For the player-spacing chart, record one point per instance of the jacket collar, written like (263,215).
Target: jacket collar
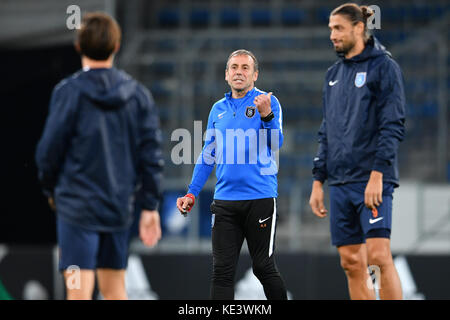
(249,93)
(373,48)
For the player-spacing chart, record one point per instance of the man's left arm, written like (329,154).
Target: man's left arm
(391,128)
(268,105)
(51,149)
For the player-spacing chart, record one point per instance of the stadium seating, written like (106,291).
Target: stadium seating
(291,40)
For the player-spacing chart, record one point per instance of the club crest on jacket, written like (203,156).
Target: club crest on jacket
(250,111)
(360,79)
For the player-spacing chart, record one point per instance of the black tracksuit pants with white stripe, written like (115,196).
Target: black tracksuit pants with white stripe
(254,220)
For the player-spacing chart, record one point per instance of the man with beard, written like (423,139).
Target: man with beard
(363,123)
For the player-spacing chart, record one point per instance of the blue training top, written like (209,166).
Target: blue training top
(243,147)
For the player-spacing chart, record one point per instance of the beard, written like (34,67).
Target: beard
(345,48)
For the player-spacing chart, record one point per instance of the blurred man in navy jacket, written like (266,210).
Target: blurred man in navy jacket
(100,144)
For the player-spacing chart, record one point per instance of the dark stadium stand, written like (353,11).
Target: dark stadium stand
(293,61)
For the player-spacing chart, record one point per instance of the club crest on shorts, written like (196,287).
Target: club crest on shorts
(360,79)
(250,111)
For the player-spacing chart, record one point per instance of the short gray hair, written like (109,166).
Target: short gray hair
(241,52)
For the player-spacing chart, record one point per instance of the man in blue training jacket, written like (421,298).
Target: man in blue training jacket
(243,135)
(100,144)
(363,123)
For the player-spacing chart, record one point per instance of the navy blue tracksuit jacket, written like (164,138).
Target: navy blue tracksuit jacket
(363,118)
(100,142)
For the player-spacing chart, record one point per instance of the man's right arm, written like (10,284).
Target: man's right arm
(202,170)
(319,164)
(319,171)
(206,160)
(316,200)
(150,154)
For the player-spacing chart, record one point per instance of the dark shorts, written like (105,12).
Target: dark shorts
(351,222)
(88,249)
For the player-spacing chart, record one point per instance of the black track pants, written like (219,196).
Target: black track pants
(254,220)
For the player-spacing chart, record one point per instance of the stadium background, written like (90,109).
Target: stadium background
(178,50)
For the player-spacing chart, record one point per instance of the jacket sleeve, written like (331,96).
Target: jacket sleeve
(151,161)
(390,115)
(51,148)
(275,126)
(319,163)
(206,160)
